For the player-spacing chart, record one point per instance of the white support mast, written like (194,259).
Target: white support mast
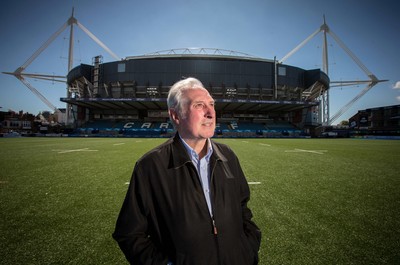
(20,74)
(325,118)
(71,22)
(325,67)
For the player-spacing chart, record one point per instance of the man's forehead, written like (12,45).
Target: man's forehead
(198,95)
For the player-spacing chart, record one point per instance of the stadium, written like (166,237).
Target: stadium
(254,97)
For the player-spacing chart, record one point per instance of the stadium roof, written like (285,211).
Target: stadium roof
(199,52)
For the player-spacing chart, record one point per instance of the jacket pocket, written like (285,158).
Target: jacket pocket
(246,251)
(180,259)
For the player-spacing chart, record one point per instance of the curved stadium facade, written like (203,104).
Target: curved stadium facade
(254,96)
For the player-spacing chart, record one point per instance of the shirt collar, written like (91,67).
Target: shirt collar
(192,153)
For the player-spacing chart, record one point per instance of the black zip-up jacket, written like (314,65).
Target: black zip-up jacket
(165,216)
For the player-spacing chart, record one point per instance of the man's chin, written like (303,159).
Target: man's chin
(209,134)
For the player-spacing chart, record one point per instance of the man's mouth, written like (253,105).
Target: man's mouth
(207,124)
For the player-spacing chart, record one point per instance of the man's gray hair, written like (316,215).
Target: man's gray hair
(174,99)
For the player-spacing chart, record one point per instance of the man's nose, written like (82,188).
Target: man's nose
(209,112)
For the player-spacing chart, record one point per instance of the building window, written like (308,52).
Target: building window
(121,68)
(282,71)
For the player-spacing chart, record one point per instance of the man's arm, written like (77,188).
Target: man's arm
(132,231)
(251,230)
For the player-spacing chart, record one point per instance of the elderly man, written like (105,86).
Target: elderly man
(187,199)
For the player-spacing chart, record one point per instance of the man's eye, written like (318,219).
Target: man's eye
(199,106)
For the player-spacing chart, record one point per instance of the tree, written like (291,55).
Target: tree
(46,114)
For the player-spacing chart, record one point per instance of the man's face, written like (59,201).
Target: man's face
(197,119)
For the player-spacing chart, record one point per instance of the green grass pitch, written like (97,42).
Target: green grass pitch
(317,201)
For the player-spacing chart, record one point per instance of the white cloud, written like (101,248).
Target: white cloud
(397,85)
(398,98)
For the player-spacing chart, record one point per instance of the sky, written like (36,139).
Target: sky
(262,28)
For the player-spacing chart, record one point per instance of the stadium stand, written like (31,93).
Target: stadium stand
(254,97)
(165,129)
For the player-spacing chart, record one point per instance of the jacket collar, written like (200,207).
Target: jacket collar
(180,157)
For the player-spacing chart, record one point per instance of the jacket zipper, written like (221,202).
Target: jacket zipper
(215,230)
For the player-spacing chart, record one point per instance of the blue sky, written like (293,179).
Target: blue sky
(370,29)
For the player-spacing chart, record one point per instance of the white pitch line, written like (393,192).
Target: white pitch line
(77,150)
(126,183)
(265,144)
(320,152)
(119,144)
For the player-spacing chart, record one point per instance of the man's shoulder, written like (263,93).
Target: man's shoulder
(159,150)
(221,146)
(222,149)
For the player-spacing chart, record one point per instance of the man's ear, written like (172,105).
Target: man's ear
(174,116)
